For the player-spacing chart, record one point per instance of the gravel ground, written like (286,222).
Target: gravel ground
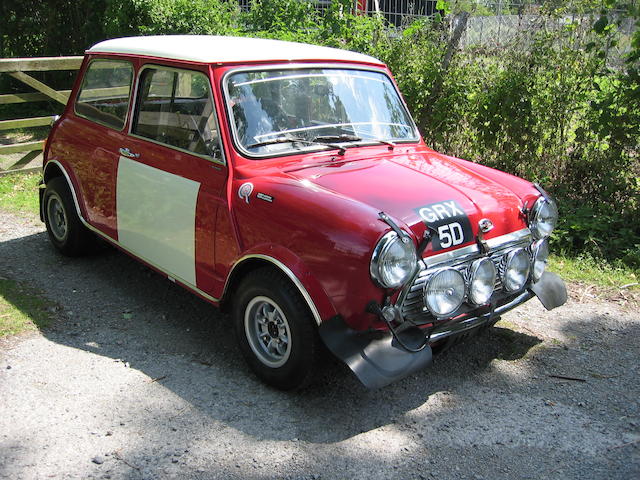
(138,378)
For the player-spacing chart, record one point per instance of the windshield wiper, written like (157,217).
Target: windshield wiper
(337,138)
(352,138)
(291,139)
(272,141)
(390,145)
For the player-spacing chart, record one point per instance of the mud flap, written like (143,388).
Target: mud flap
(376,360)
(550,290)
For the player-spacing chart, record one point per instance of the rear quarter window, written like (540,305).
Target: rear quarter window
(104,94)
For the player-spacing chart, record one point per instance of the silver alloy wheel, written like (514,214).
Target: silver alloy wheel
(267,331)
(57,216)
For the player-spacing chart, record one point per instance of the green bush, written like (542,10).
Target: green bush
(281,16)
(166,17)
(601,232)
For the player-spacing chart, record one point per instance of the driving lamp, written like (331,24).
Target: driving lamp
(482,281)
(516,270)
(540,251)
(444,292)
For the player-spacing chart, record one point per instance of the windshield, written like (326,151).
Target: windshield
(287,111)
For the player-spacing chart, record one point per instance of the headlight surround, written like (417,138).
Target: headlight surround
(540,251)
(482,280)
(444,292)
(543,217)
(516,270)
(393,261)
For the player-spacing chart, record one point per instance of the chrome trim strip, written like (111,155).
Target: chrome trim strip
(516,236)
(182,150)
(443,257)
(295,66)
(471,249)
(71,187)
(474,322)
(170,276)
(288,272)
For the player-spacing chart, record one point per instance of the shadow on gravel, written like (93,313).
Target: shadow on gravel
(117,308)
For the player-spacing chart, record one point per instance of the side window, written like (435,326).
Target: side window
(104,95)
(175,107)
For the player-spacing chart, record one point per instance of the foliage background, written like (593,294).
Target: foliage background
(553,107)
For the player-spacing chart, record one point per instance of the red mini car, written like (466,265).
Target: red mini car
(288,183)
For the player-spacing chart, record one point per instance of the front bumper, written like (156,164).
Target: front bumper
(378,358)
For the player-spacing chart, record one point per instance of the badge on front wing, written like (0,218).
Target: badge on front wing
(449,221)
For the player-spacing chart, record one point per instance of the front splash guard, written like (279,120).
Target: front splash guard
(550,290)
(376,361)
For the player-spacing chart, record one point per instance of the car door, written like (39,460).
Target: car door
(171,175)
(98,124)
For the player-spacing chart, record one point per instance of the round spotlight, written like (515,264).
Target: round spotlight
(540,251)
(516,270)
(444,292)
(482,281)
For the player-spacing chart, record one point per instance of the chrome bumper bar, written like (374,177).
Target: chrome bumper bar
(450,329)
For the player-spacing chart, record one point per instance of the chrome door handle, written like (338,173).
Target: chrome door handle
(125,152)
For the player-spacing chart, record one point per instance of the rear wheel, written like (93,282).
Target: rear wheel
(65,229)
(275,330)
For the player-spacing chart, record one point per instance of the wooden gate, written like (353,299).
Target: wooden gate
(17,68)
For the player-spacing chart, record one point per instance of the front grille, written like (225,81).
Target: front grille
(411,300)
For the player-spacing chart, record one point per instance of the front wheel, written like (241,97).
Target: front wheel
(275,330)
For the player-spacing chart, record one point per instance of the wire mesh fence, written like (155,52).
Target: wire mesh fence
(399,12)
(395,12)
(491,24)
(499,30)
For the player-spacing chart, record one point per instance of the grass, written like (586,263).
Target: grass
(22,309)
(585,269)
(19,192)
(597,278)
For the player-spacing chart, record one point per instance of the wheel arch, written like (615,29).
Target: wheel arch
(251,262)
(53,169)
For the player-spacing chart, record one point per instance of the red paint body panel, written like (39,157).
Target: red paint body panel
(323,221)
(94,165)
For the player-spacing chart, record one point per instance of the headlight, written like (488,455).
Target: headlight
(543,218)
(482,281)
(540,251)
(393,261)
(444,292)
(516,270)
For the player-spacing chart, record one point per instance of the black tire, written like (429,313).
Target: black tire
(268,294)
(65,229)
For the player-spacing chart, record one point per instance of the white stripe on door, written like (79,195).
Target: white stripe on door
(156,216)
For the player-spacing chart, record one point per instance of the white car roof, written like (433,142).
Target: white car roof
(214,49)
